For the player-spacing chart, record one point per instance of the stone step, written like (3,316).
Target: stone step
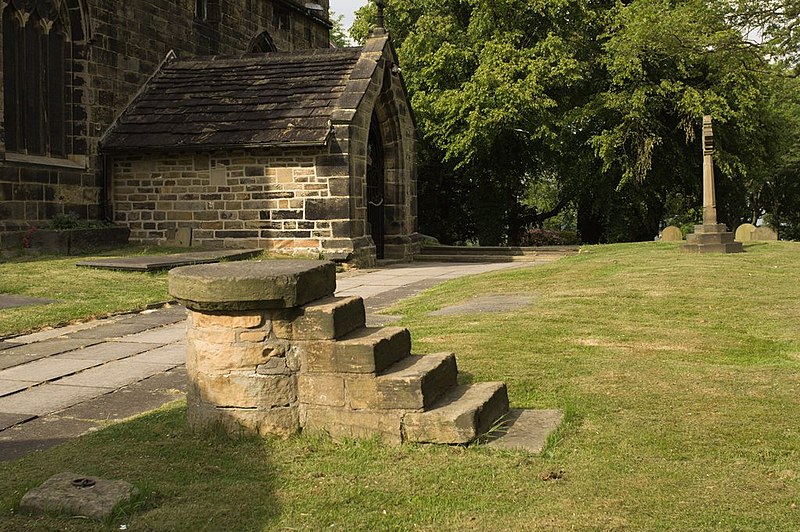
(329,318)
(714,238)
(486,254)
(460,416)
(485,258)
(462,258)
(366,350)
(500,250)
(414,383)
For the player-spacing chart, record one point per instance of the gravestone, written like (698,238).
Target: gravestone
(744,233)
(765,233)
(671,234)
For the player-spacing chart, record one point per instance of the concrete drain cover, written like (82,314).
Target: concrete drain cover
(496,303)
(77,495)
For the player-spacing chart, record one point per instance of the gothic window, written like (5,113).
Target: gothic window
(262,44)
(201,9)
(281,19)
(34,78)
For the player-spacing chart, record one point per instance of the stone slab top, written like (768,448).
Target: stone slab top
(148,263)
(270,284)
(77,495)
(12,301)
(526,430)
(490,303)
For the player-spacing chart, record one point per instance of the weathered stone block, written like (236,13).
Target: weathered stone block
(330,318)
(327,208)
(274,366)
(368,350)
(252,285)
(462,415)
(208,357)
(325,390)
(243,319)
(253,336)
(244,389)
(65,494)
(414,383)
(281,422)
(341,423)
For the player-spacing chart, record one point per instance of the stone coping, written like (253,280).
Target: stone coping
(272,284)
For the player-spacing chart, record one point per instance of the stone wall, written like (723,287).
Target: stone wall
(285,200)
(115,46)
(306,200)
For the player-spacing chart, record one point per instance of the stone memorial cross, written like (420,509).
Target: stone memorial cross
(710,236)
(709,195)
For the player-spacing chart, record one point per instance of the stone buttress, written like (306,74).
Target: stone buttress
(270,350)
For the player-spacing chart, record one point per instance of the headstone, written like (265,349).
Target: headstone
(671,234)
(765,233)
(77,495)
(744,233)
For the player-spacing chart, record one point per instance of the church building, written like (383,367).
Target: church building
(206,123)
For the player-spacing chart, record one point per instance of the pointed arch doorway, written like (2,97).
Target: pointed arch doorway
(376,183)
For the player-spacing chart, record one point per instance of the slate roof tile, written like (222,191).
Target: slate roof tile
(254,100)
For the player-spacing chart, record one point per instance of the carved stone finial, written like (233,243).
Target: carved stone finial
(380,4)
(708,136)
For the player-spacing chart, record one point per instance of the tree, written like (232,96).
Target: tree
(605,98)
(338,34)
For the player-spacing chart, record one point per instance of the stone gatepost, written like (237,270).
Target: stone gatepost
(241,366)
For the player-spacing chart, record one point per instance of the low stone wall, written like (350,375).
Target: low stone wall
(62,242)
(291,201)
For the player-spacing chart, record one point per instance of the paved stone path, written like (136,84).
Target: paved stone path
(60,383)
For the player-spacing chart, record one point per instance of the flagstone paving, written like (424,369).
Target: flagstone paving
(60,383)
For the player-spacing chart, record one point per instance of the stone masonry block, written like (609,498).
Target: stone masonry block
(325,390)
(58,495)
(330,318)
(274,366)
(327,208)
(244,389)
(341,423)
(253,336)
(214,336)
(463,414)
(281,422)
(272,284)
(413,383)
(367,350)
(210,358)
(247,320)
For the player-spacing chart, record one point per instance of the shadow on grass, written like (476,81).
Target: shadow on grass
(187,480)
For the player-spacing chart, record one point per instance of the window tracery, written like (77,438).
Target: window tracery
(34,77)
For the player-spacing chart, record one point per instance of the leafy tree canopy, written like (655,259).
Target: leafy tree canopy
(602,101)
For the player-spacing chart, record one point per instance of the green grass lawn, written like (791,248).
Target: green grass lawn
(80,293)
(679,375)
